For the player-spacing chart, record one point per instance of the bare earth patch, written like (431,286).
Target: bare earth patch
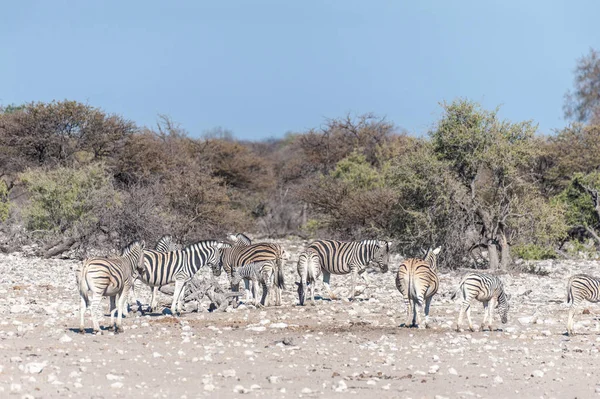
(334,349)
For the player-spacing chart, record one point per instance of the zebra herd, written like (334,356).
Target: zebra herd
(169,265)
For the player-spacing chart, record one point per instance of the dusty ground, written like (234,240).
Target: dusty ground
(334,349)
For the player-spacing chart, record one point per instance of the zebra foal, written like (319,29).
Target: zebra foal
(110,277)
(418,281)
(243,252)
(581,287)
(484,288)
(341,257)
(254,274)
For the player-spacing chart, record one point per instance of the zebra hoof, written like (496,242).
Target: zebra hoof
(97,332)
(81,330)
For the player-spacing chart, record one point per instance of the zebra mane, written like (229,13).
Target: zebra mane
(207,244)
(240,238)
(167,244)
(129,247)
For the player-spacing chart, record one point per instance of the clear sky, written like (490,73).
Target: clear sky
(262,68)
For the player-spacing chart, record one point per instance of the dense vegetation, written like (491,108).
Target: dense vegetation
(73,177)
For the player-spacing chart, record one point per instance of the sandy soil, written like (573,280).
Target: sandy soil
(334,349)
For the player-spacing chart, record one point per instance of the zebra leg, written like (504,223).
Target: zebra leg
(122,306)
(354,273)
(82,309)
(95,310)
(486,308)
(326,277)
(176,294)
(460,315)
(571,320)
(154,299)
(408,303)
(491,313)
(265,293)
(469,318)
(427,304)
(312,293)
(113,309)
(418,311)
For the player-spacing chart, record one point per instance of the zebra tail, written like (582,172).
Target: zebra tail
(569,293)
(412,289)
(84,287)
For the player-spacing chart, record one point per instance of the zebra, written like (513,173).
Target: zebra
(487,289)
(418,282)
(255,273)
(339,257)
(309,271)
(110,277)
(242,252)
(165,244)
(579,288)
(162,268)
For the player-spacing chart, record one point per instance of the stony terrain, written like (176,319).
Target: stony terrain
(334,349)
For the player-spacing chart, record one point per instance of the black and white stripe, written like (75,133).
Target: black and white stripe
(165,244)
(340,257)
(581,287)
(309,270)
(254,274)
(162,268)
(242,253)
(484,288)
(110,277)
(418,281)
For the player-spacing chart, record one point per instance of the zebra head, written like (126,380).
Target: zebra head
(503,307)
(381,255)
(236,278)
(135,252)
(217,264)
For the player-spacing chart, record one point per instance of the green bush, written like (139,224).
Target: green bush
(4,203)
(533,252)
(64,198)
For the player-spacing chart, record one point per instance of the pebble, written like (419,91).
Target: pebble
(452,371)
(537,373)
(65,339)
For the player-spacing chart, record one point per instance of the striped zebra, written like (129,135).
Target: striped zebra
(417,281)
(309,270)
(579,288)
(165,244)
(110,277)
(254,274)
(242,253)
(487,289)
(339,257)
(162,268)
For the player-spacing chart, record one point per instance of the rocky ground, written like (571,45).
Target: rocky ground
(334,349)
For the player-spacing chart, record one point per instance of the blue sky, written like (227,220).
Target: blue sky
(264,68)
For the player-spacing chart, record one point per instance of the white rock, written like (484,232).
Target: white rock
(498,379)
(34,367)
(306,390)
(156,354)
(19,309)
(116,385)
(340,386)
(229,373)
(254,387)
(239,389)
(209,387)
(112,377)
(65,339)
(537,373)
(273,379)
(452,371)
(433,369)
(278,325)
(256,328)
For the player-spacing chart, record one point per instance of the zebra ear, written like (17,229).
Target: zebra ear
(233,238)
(437,250)
(298,284)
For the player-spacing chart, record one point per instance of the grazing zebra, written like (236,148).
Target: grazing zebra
(241,253)
(110,277)
(162,268)
(339,257)
(309,270)
(579,288)
(165,244)
(253,274)
(487,289)
(417,281)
